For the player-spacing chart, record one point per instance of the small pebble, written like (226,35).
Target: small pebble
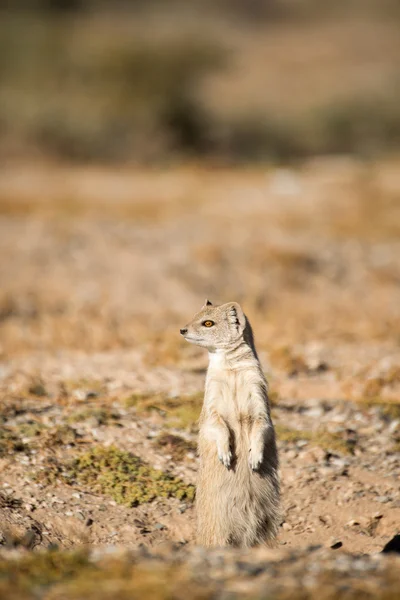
(383,499)
(301,443)
(352,523)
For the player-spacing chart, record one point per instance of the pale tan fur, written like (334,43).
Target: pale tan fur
(237,496)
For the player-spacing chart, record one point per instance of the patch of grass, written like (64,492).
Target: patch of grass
(286,434)
(389,409)
(58,208)
(175,445)
(10,442)
(14,438)
(273,396)
(51,471)
(33,573)
(61,435)
(126,478)
(185,411)
(396,447)
(332,442)
(30,429)
(181,411)
(102,416)
(84,386)
(374,385)
(37,388)
(140,401)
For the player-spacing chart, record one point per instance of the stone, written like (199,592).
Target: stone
(335,544)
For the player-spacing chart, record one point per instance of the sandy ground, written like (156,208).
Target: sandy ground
(98,271)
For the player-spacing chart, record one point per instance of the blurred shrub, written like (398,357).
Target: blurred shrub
(83,89)
(250,9)
(259,137)
(99,96)
(364,125)
(361,125)
(44,5)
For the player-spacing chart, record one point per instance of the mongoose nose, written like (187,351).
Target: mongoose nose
(183,331)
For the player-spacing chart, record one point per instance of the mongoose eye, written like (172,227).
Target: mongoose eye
(208,323)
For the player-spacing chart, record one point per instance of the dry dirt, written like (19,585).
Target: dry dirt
(98,271)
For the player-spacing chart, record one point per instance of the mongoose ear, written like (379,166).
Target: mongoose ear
(236,316)
(207,302)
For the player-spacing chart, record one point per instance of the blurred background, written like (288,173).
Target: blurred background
(145,81)
(154,153)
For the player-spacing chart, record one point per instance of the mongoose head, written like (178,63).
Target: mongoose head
(216,327)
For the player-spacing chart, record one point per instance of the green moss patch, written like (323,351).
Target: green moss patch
(181,411)
(126,478)
(332,442)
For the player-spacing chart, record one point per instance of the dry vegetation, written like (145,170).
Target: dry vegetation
(230,81)
(100,397)
(100,267)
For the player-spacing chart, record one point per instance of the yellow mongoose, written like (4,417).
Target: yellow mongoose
(237,496)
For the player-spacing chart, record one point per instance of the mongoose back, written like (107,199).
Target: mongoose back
(237,497)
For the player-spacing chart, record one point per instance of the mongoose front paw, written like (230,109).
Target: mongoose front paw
(225,458)
(255,459)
